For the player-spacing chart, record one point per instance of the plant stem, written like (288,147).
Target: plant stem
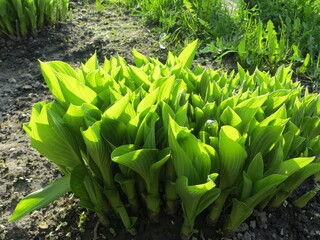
(171,197)
(217,207)
(117,205)
(187,229)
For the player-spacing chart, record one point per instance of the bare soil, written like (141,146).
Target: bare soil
(23,170)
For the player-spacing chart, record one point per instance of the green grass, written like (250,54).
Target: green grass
(263,34)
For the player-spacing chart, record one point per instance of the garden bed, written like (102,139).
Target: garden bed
(23,170)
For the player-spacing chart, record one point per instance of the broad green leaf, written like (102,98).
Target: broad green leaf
(230,117)
(51,136)
(113,131)
(290,166)
(256,168)
(78,117)
(49,71)
(189,155)
(148,100)
(115,111)
(264,139)
(232,157)
(196,198)
(139,59)
(299,176)
(129,189)
(78,176)
(92,64)
(99,152)
(248,108)
(139,77)
(145,135)
(266,192)
(280,113)
(311,127)
(187,55)
(305,198)
(41,198)
(272,180)
(171,60)
(98,81)
(75,92)
(276,99)
(87,188)
(239,213)
(246,186)
(139,160)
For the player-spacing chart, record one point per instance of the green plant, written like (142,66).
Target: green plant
(19,17)
(265,34)
(191,135)
(296,22)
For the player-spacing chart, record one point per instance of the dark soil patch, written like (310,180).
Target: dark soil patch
(23,170)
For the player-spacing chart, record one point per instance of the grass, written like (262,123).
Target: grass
(263,34)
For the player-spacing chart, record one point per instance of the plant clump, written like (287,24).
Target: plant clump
(171,136)
(25,17)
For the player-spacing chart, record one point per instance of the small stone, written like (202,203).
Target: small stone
(243,227)
(36,84)
(239,235)
(12,80)
(246,236)
(26,87)
(43,225)
(12,149)
(253,224)
(27,76)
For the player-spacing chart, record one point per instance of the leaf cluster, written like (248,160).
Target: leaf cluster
(25,17)
(171,136)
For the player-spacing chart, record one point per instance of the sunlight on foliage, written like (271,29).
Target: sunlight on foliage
(174,135)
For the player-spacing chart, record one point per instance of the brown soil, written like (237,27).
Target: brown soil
(23,170)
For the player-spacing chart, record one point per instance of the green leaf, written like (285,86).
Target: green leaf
(248,109)
(299,176)
(305,198)
(272,180)
(41,198)
(239,213)
(51,137)
(281,113)
(256,168)
(113,131)
(232,156)
(148,100)
(115,111)
(189,155)
(49,71)
(230,117)
(99,152)
(78,176)
(87,188)
(265,138)
(290,166)
(246,186)
(75,92)
(139,77)
(187,55)
(145,136)
(139,59)
(196,198)
(80,117)
(139,160)
(92,64)
(264,189)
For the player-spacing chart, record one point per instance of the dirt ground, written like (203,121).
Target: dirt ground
(23,170)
